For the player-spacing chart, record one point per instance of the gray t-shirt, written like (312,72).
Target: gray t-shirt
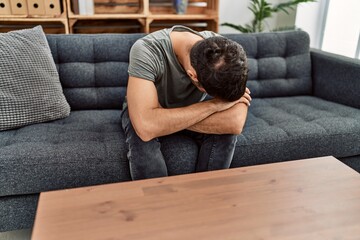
(152,58)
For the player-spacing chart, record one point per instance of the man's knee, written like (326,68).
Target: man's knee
(229,138)
(224,139)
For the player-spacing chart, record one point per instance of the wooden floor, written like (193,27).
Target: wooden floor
(16,235)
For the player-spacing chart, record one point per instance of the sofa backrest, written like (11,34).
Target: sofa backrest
(93,68)
(279,63)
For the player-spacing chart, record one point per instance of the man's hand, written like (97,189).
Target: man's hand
(246,98)
(222,105)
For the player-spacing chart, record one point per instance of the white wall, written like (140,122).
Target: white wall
(311,18)
(334,26)
(236,12)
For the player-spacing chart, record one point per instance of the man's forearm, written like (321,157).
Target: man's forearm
(159,121)
(230,121)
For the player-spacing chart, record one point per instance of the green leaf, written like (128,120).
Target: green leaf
(240,28)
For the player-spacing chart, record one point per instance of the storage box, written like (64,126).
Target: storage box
(18,7)
(5,7)
(52,7)
(36,7)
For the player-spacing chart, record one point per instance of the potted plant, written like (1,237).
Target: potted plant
(262,10)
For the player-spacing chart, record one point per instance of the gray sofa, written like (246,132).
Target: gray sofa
(306,104)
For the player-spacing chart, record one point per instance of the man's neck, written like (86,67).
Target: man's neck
(182,43)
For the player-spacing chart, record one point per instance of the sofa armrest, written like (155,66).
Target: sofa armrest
(336,78)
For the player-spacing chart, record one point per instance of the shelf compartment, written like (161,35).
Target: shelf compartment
(205,7)
(181,17)
(117,6)
(107,16)
(200,25)
(106,26)
(108,8)
(50,26)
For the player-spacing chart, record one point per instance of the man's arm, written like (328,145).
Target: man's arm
(150,120)
(230,121)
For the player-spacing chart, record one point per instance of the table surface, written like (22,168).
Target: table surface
(315,198)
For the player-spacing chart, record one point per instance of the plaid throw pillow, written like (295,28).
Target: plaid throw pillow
(30,89)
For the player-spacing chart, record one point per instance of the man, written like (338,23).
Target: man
(170,73)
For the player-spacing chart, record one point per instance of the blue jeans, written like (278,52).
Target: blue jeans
(147,161)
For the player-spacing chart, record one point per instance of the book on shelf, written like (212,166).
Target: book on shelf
(86,7)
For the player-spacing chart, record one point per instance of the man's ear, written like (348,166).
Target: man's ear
(194,80)
(192,74)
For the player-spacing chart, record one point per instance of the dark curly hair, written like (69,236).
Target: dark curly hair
(221,67)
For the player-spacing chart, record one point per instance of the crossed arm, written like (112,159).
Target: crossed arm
(150,120)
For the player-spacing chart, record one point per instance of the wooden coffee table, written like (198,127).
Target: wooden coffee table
(315,198)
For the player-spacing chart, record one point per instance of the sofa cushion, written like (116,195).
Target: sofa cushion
(83,149)
(93,68)
(279,63)
(290,128)
(87,148)
(30,89)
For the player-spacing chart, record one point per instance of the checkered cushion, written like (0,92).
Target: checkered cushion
(30,89)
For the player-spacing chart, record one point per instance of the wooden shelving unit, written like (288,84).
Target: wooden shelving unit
(51,23)
(118,16)
(148,16)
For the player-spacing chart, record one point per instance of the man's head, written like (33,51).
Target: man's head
(221,67)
